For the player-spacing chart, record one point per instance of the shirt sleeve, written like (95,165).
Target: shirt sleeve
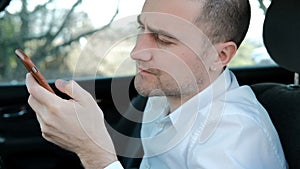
(115,165)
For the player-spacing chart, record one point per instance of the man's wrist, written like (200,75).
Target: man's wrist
(92,160)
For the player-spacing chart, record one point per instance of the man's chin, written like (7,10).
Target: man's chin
(149,93)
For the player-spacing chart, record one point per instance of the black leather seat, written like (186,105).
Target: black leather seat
(281,37)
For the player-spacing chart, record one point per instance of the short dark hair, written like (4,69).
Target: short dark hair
(224,20)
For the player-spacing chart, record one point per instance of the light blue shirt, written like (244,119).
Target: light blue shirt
(224,126)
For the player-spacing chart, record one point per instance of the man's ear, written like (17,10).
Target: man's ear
(226,52)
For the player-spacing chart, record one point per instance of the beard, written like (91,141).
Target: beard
(163,84)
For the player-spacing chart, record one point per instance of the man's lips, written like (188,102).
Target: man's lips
(144,71)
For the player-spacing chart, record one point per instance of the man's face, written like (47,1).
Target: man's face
(172,54)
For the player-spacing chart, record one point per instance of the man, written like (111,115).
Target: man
(196,117)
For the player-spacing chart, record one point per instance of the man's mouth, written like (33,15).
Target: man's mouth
(147,71)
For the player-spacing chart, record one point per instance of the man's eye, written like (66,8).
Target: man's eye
(165,40)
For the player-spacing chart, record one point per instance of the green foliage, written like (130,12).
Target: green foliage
(243,55)
(45,34)
(6,35)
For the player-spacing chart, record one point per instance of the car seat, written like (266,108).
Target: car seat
(281,36)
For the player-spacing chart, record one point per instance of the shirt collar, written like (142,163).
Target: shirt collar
(202,111)
(157,108)
(202,99)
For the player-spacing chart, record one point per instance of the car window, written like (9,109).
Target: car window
(58,36)
(252,51)
(83,39)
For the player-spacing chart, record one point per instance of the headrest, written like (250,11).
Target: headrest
(3,4)
(281,33)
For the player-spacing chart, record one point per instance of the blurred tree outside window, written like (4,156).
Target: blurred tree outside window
(252,51)
(84,38)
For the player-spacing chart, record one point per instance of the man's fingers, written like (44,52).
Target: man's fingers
(39,109)
(38,92)
(71,88)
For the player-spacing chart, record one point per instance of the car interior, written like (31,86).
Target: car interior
(276,87)
(281,37)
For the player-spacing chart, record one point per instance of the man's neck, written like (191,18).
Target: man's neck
(176,101)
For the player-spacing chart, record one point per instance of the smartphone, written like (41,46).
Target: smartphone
(33,69)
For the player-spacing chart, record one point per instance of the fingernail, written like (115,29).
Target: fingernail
(27,75)
(27,78)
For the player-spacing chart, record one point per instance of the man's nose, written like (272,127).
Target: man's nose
(143,47)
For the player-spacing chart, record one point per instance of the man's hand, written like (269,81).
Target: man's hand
(76,124)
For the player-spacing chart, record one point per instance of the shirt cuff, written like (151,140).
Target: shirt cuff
(114,165)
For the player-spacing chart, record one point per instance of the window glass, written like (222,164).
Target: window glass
(252,51)
(76,39)
(58,36)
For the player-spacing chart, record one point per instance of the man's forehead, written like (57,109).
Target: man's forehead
(163,21)
(154,19)
(186,9)
(181,29)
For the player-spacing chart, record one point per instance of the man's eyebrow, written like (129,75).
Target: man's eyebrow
(153,30)
(161,32)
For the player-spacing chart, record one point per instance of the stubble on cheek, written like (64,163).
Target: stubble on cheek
(159,85)
(149,86)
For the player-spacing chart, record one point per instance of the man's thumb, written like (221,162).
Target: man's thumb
(71,88)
